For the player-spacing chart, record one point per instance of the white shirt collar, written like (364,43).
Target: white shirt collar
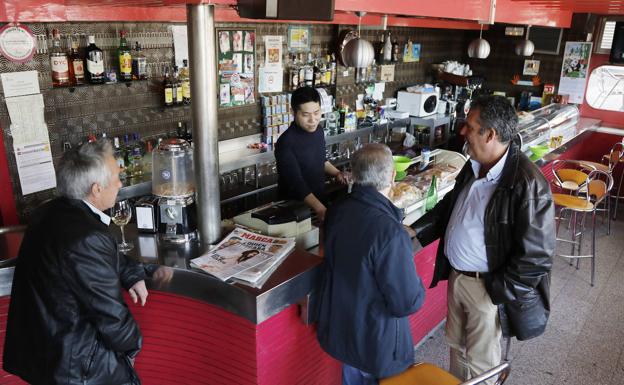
(103,217)
(495,172)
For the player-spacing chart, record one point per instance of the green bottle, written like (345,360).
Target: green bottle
(432,195)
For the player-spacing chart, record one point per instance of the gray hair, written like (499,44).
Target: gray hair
(372,165)
(497,113)
(83,166)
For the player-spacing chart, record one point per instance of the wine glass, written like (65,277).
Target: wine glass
(121,214)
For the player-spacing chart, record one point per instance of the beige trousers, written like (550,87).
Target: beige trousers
(472,327)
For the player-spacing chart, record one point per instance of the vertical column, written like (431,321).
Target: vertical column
(202,43)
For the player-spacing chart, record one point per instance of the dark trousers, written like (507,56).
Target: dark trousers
(354,376)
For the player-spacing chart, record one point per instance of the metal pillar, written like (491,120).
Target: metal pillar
(202,43)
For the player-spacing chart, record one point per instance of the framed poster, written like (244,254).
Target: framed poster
(236,66)
(574,70)
(299,38)
(531,67)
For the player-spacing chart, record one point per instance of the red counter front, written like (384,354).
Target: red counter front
(190,342)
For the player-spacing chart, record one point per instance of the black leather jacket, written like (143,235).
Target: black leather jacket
(519,231)
(68,322)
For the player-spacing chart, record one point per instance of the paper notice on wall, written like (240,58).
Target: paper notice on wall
(273,54)
(270,79)
(180,43)
(31,143)
(20,83)
(35,167)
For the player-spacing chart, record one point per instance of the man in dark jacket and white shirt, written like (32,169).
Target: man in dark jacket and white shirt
(68,322)
(369,280)
(497,238)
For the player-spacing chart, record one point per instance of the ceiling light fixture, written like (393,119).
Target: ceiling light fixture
(479,48)
(526,46)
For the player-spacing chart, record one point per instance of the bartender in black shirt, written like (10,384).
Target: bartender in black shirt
(300,154)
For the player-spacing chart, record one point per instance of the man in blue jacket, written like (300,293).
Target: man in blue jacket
(369,281)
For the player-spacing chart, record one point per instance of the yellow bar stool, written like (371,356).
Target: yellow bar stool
(590,194)
(429,374)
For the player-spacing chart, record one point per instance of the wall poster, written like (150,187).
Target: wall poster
(299,38)
(236,58)
(574,70)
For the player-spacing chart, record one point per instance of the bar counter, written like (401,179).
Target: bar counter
(199,330)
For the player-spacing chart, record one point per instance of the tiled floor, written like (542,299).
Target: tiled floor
(584,341)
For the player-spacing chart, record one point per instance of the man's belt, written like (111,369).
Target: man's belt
(473,274)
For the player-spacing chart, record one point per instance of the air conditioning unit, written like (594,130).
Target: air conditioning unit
(319,10)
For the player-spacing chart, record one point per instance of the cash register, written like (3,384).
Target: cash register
(282,219)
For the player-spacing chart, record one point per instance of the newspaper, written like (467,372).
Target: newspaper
(242,250)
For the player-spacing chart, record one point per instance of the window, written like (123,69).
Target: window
(605,89)
(604,37)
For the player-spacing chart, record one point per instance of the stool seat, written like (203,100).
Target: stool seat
(596,165)
(572,202)
(422,374)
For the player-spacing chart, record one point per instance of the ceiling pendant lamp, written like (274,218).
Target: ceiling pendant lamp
(358,53)
(526,46)
(479,48)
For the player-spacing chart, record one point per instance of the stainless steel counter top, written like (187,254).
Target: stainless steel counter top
(295,278)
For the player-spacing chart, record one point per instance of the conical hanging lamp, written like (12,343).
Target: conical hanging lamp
(358,53)
(526,46)
(479,48)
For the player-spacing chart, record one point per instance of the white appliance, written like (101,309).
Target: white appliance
(418,104)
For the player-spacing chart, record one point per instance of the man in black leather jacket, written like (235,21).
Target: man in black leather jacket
(497,238)
(68,322)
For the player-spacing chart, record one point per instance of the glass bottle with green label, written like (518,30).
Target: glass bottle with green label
(432,195)
(125,58)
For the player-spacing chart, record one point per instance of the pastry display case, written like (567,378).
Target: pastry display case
(549,126)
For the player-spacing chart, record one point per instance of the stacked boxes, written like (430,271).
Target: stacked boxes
(276,116)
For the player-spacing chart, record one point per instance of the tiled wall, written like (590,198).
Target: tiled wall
(503,63)
(72,114)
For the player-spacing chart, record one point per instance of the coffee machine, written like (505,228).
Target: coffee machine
(174,185)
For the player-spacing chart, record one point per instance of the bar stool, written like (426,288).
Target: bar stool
(608,165)
(429,374)
(615,157)
(591,193)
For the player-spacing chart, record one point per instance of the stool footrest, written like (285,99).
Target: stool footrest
(573,256)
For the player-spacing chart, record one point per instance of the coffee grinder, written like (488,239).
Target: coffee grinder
(174,185)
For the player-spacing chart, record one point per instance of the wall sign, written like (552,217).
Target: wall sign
(299,38)
(17,43)
(236,55)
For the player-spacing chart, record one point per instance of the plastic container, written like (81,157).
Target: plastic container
(172,169)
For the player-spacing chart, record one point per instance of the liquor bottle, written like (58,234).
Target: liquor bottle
(139,63)
(125,58)
(316,69)
(76,63)
(395,51)
(180,131)
(333,68)
(387,51)
(432,195)
(178,97)
(185,78)
(137,150)
(308,72)
(293,73)
(168,89)
(119,158)
(379,52)
(95,63)
(59,62)
(147,157)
